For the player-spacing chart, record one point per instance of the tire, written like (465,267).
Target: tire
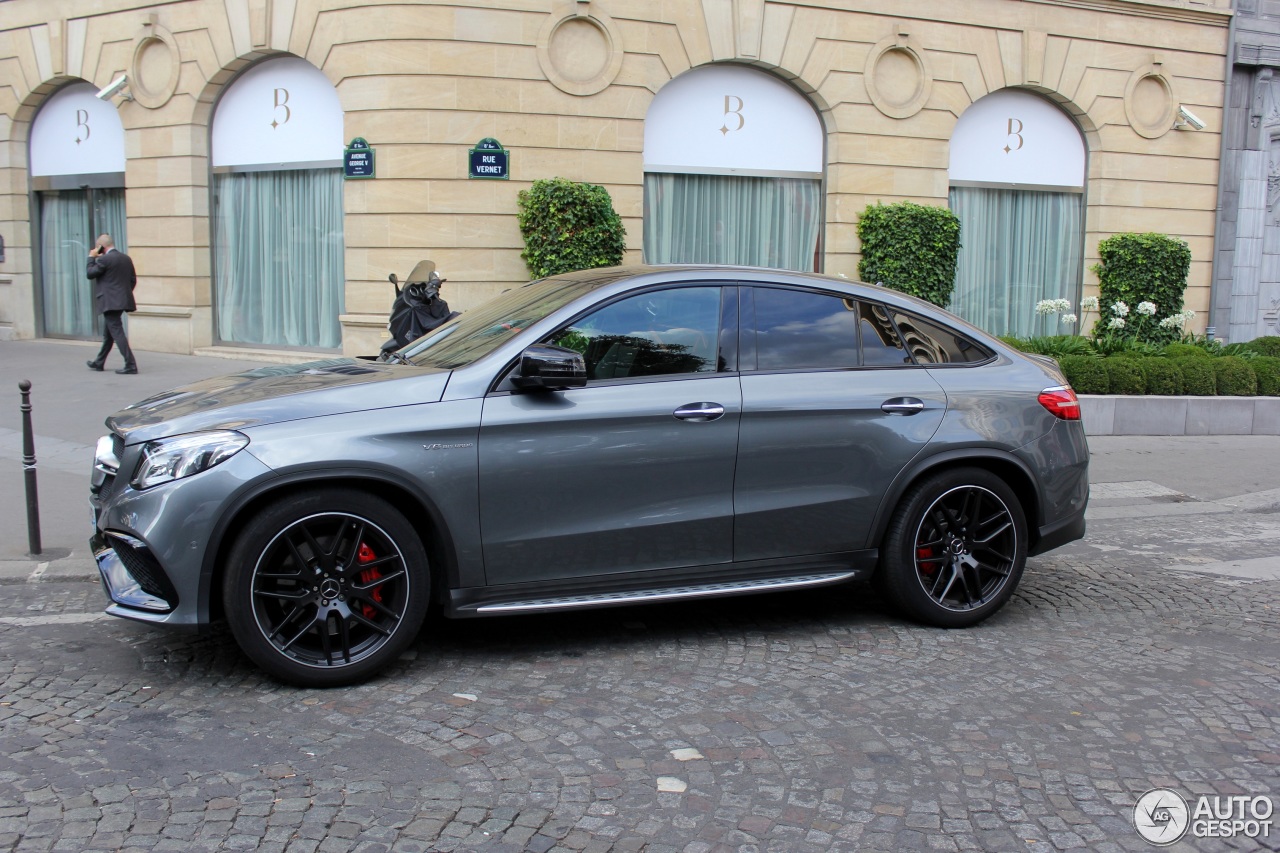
(326,588)
(955,549)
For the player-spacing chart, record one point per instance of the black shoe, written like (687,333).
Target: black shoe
(127,370)
(93,365)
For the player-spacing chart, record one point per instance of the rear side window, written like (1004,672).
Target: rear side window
(932,343)
(881,345)
(798,329)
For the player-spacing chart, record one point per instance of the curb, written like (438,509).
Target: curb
(1149,415)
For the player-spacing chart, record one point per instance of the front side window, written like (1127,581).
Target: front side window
(651,334)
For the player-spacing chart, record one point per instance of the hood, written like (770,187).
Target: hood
(278,393)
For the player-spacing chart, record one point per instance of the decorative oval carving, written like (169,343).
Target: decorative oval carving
(153,74)
(897,78)
(580,51)
(1149,103)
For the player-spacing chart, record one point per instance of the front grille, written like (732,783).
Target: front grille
(108,487)
(117,445)
(145,570)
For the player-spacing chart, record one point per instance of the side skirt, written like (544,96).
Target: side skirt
(669,585)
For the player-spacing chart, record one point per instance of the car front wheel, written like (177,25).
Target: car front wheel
(327,588)
(955,550)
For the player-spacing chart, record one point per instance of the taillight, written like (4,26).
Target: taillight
(1061,402)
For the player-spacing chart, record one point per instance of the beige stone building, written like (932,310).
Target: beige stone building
(747,131)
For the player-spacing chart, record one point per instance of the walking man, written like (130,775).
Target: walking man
(113,277)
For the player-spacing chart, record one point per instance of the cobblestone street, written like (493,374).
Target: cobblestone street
(808,721)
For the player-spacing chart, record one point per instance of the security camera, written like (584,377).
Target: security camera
(113,88)
(1186,118)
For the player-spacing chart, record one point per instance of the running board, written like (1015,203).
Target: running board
(667,594)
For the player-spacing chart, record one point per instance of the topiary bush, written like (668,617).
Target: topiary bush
(1137,268)
(1161,376)
(569,226)
(1197,376)
(1267,369)
(1268,345)
(1124,375)
(1177,350)
(1235,377)
(1085,374)
(910,248)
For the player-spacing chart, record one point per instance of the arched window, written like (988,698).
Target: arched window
(733,162)
(1017,185)
(276,148)
(77,172)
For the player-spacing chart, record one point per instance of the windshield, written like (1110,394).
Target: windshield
(479,332)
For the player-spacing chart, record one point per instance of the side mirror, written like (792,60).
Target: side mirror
(550,367)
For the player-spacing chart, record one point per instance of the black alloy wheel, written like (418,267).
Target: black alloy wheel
(327,589)
(955,550)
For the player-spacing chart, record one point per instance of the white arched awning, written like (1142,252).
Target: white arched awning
(1016,138)
(74,133)
(732,120)
(280,113)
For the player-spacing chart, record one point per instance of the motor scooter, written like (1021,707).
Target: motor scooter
(417,309)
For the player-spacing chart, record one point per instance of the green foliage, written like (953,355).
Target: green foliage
(1235,377)
(569,226)
(910,248)
(1086,374)
(1267,369)
(1112,345)
(1161,375)
(1269,346)
(1180,350)
(1056,345)
(1197,376)
(1124,375)
(1016,342)
(1137,268)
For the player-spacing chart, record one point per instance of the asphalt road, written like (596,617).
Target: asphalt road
(1145,656)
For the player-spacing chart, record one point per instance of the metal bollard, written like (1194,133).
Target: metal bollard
(29,470)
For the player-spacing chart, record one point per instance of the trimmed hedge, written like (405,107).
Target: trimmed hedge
(1162,376)
(568,226)
(1136,268)
(1181,350)
(1124,375)
(1085,374)
(1268,346)
(1198,379)
(1267,369)
(910,248)
(1235,378)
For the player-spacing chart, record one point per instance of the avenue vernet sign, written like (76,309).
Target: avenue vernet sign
(489,160)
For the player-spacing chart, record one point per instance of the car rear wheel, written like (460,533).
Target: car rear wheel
(326,588)
(955,550)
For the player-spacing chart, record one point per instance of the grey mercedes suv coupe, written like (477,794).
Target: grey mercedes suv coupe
(608,437)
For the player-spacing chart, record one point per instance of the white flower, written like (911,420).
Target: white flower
(1120,309)
(1148,308)
(1116,323)
(1068,319)
(1089,303)
(1173,321)
(1188,314)
(1044,306)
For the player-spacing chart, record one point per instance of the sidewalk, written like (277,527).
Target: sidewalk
(1133,476)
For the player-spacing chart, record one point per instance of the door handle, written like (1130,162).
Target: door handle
(699,412)
(902,406)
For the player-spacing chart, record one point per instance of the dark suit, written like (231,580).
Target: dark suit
(113,279)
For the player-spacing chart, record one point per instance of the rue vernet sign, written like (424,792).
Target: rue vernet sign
(357,160)
(489,160)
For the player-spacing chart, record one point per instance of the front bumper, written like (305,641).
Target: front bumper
(152,546)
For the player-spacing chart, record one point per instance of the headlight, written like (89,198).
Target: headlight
(175,458)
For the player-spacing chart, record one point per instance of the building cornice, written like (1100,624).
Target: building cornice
(1165,10)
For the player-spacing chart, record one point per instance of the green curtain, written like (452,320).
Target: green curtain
(70,221)
(725,219)
(1017,248)
(278,257)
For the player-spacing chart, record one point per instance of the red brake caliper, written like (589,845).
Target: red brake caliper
(927,565)
(364,554)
